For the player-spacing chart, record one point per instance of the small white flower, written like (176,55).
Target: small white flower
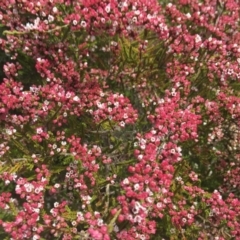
(143,147)
(137,219)
(126,181)
(50,18)
(56,185)
(36,210)
(79,214)
(135,144)
(75,22)
(108,8)
(99,222)
(150,200)
(152,139)
(184,220)
(29,187)
(135,210)
(198,38)
(46,102)
(188,15)
(55,10)
(122,123)
(43,179)
(137,12)
(39,130)
(83,24)
(142,237)
(116,228)
(35,237)
(100,105)
(7,182)
(173,151)
(74,223)
(37,190)
(68,95)
(116,104)
(136,186)
(45,108)
(76,99)
(159,205)
(179,179)
(9,131)
(134,19)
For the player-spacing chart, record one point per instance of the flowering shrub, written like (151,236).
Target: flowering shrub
(120,119)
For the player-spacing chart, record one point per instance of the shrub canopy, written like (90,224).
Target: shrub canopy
(119,119)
